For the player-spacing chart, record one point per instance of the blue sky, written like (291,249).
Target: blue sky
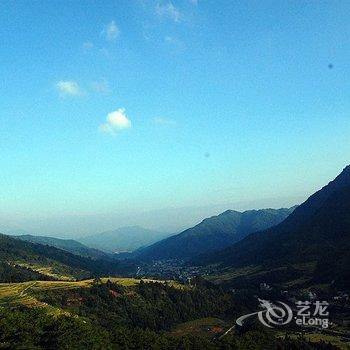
(124,107)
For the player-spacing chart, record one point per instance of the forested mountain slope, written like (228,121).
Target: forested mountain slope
(317,231)
(214,233)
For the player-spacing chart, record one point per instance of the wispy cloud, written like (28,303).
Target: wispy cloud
(194,2)
(115,121)
(169,11)
(68,88)
(111,31)
(162,121)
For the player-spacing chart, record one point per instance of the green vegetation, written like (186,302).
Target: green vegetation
(340,343)
(316,337)
(312,246)
(130,315)
(214,233)
(22,261)
(228,274)
(17,293)
(202,327)
(70,245)
(24,293)
(155,306)
(11,272)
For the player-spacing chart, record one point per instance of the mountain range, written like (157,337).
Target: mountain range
(124,239)
(214,233)
(69,245)
(305,244)
(316,234)
(22,261)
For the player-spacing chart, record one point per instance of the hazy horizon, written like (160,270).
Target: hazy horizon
(125,112)
(168,220)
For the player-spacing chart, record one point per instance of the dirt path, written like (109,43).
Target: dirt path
(23,291)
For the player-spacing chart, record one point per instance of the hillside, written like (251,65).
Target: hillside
(22,261)
(70,245)
(133,314)
(317,232)
(214,233)
(124,239)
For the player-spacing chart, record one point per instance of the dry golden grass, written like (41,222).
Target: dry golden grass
(17,293)
(335,340)
(20,293)
(45,270)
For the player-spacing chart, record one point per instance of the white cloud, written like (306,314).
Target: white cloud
(68,88)
(115,121)
(111,31)
(194,2)
(164,121)
(168,11)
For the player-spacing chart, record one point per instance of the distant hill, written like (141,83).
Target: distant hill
(317,232)
(214,233)
(70,245)
(12,230)
(124,239)
(21,261)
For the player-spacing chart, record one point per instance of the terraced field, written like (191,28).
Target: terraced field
(231,273)
(17,293)
(12,294)
(48,271)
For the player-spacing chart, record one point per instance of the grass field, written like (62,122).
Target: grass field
(207,327)
(335,340)
(231,273)
(17,293)
(56,272)
(21,293)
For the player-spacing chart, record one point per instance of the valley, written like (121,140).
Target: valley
(171,294)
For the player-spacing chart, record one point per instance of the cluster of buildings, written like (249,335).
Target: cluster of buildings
(171,269)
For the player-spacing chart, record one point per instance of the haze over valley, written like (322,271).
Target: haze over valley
(174,175)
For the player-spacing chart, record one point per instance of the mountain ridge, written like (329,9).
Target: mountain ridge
(22,260)
(213,233)
(123,239)
(69,245)
(314,232)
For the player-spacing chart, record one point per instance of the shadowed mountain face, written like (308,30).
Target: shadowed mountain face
(70,245)
(317,231)
(214,233)
(124,239)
